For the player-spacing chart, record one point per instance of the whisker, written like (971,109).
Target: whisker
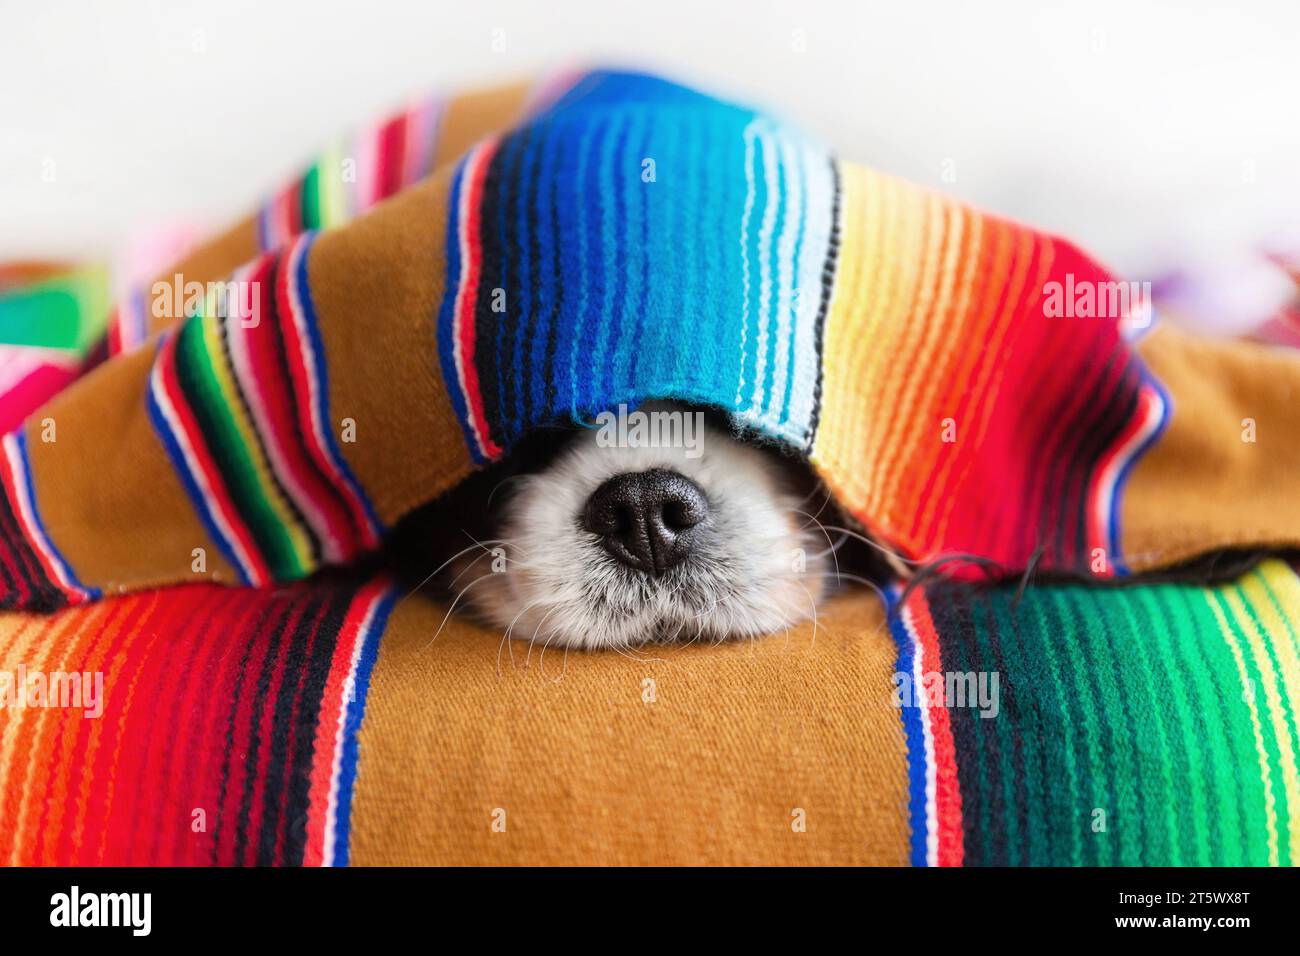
(429,577)
(447,616)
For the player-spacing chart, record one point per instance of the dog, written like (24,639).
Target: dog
(665,523)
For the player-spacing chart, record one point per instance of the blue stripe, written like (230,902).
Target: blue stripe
(607,229)
(447,316)
(322,386)
(162,428)
(547,268)
(352,724)
(527,182)
(912,731)
(1148,380)
(24,462)
(647,275)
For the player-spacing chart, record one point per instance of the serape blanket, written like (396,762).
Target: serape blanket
(192,528)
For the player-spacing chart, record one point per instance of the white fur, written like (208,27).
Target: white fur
(559,587)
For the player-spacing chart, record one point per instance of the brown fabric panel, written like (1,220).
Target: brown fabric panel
(377,286)
(106,490)
(469,118)
(588,773)
(1201,487)
(211,262)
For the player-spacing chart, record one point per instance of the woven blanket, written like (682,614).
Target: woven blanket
(193,523)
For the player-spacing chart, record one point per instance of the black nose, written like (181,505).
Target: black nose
(647,519)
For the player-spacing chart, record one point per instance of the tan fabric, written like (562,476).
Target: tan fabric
(366,278)
(737,738)
(1217,390)
(106,488)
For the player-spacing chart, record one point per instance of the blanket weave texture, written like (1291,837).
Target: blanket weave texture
(194,500)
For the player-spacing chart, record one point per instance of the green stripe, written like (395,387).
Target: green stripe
(1284,810)
(1061,804)
(212,408)
(311,205)
(1125,824)
(1127,699)
(1152,737)
(1038,843)
(1208,663)
(68,311)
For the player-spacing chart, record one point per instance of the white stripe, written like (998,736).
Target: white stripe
(462,213)
(365,189)
(785,278)
(27,515)
(764,267)
(927,732)
(219,516)
(818,212)
(744,254)
(320,428)
(1110,475)
(271,440)
(349,694)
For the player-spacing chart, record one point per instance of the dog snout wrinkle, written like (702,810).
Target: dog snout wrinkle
(647,519)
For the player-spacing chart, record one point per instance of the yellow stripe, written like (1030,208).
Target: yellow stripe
(915,346)
(1248,695)
(332,198)
(253,447)
(1285,679)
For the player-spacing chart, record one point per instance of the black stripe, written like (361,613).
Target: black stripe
(556,306)
(951,612)
(298,516)
(828,284)
(512,282)
(296,667)
(260,694)
(1098,431)
(297,801)
(35,591)
(256,630)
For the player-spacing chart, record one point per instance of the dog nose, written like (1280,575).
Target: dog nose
(646,519)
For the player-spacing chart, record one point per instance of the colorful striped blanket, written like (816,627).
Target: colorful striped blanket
(226,674)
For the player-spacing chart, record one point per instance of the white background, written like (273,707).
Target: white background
(1147,131)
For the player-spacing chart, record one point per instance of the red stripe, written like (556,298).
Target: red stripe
(473,257)
(951,843)
(70,848)
(218,495)
(296,347)
(263,344)
(189,722)
(327,725)
(392,157)
(1097,530)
